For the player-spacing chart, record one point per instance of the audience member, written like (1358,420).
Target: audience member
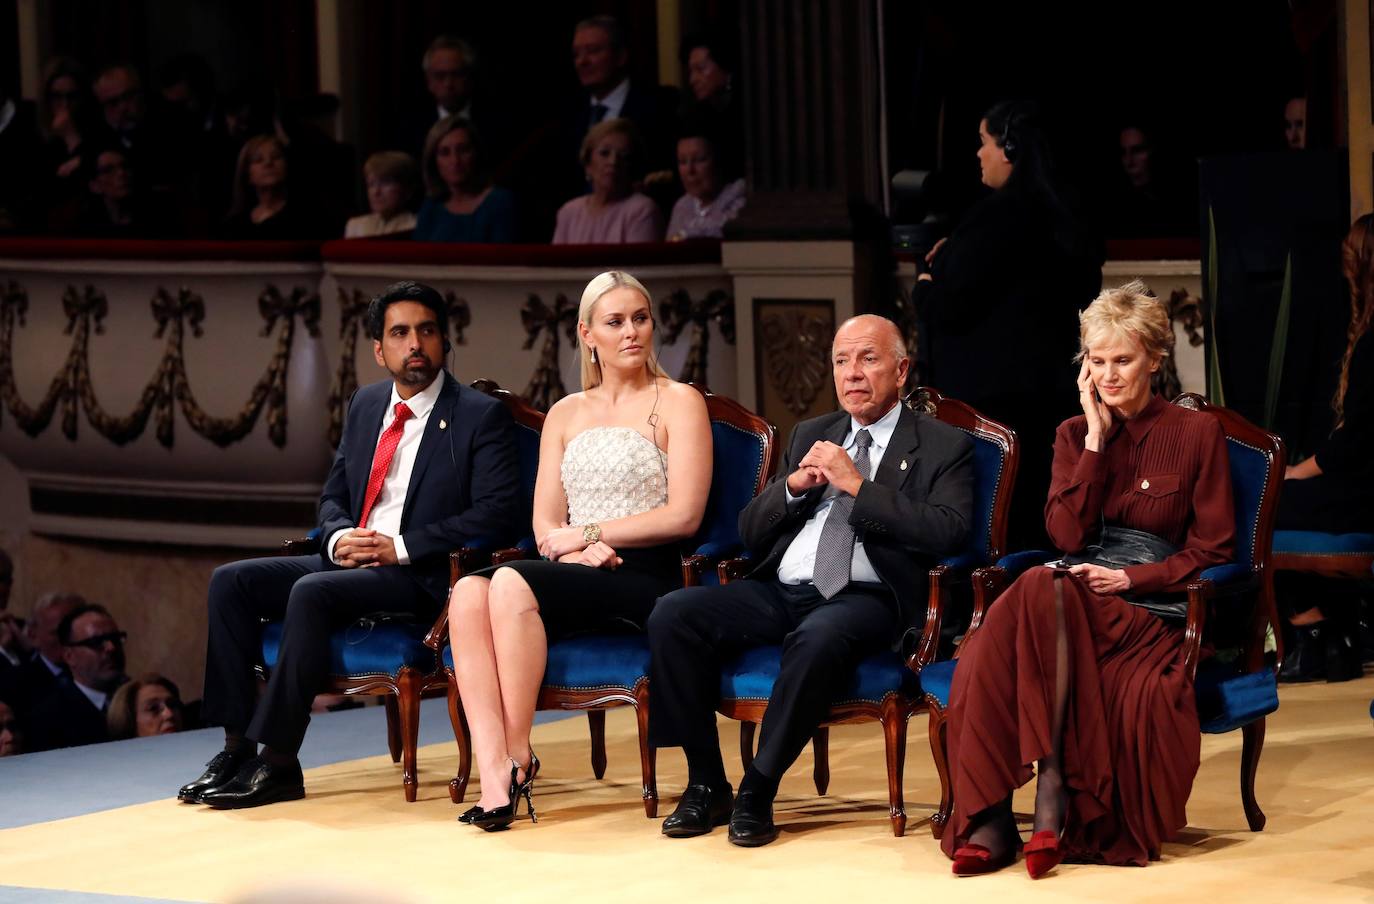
(6,579)
(20,164)
(391,182)
(1151,199)
(11,738)
(149,705)
(829,594)
(45,668)
(451,81)
(711,66)
(67,119)
(113,207)
(601,60)
(613,213)
(13,651)
(74,712)
(463,205)
(1078,670)
(712,195)
(119,92)
(1333,490)
(263,208)
(1295,123)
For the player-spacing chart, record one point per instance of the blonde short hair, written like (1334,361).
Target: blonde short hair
(612,127)
(393,166)
(1131,310)
(599,286)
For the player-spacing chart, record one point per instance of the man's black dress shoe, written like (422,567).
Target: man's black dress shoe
(223,767)
(751,825)
(701,809)
(258,782)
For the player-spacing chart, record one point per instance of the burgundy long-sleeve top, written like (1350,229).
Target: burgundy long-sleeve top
(1164,471)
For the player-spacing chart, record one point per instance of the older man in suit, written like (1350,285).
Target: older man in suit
(425,465)
(867,500)
(73,712)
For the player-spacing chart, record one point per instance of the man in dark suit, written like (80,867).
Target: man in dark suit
(425,465)
(866,501)
(73,712)
(45,667)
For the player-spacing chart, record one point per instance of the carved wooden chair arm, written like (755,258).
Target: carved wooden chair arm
(733,569)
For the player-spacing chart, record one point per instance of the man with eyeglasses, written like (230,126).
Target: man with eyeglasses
(93,649)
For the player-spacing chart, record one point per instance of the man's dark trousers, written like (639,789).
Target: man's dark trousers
(314,598)
(693,631)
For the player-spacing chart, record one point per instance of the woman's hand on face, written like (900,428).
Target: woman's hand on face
(560,541)
(599,555)
(1098,415)
(1101,580)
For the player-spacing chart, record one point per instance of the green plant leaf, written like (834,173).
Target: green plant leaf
(1214,388)
(1279,346)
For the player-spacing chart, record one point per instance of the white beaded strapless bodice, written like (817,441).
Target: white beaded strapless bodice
(612,472)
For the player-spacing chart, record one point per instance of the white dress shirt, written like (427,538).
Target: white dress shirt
(465,112)
(96,697)
(799,561)
(614,102)
(386,511)
(50,665)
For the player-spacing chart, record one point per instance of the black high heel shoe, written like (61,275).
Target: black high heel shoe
(499,818)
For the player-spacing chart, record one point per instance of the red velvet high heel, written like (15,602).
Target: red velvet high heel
(1043,853)
(975,860)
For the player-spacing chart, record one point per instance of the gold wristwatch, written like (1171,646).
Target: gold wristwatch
(591,533)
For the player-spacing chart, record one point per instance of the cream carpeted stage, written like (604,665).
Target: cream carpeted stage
(354,832)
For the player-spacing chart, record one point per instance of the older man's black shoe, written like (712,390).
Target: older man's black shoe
(751,824)
(258,782)
(701,809)
(219,771)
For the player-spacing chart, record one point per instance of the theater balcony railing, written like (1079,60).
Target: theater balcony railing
(192,392)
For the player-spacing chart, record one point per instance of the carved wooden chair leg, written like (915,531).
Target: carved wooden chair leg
(648,756)
(820,747)
(409,683)
(1252,744)
(894,741)
(938,753)
(596,723)
(393,728)
(458,787)
(746,744)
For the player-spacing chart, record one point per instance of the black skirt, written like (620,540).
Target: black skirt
(578,599)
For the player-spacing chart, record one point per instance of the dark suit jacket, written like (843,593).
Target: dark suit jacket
(29,682)
(907,519)
(465,484)
(65,718)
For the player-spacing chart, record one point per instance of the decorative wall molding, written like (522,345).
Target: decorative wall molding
(679,309)
(796,347)
(546,384)
(168,388)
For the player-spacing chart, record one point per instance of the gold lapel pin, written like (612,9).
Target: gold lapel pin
(443,424)
(902,466)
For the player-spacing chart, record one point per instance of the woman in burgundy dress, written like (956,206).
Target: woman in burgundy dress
(1068,672)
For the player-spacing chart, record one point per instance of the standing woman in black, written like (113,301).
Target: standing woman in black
(999,303)
(1333,490)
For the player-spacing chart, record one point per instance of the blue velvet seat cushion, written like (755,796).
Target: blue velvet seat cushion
(936,679)
(365,648)
(751,677)
(592,661)
(1314,542)
(1228,698)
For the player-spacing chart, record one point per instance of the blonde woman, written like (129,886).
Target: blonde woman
(624,470)
(1076,674)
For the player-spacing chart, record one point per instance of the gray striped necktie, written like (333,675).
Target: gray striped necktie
(835,549)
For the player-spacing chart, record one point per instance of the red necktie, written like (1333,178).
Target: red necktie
(381,459)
